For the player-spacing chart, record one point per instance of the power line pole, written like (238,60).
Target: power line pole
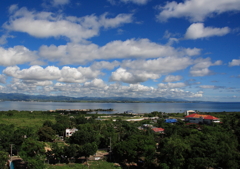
(110,151)
(11,151)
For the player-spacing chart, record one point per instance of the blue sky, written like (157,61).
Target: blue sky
(121,48)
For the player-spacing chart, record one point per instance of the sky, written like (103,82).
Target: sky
(184,49)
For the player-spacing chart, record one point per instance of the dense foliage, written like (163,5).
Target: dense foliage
(182,146)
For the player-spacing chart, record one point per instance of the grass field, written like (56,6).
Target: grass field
(25,118)
(92,165)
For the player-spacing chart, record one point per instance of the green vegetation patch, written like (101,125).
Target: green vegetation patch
(92,165)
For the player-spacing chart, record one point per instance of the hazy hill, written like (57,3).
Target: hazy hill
(24,97)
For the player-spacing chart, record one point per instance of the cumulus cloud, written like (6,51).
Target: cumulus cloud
(234,62)
(201,68)
(96,83)
(17,55)
(136,71)
(3,39)
(47,24)
(171,85)
(38,83)
(33,73)
(141,48)
(66,74)
(197,30)
(196,10)
(163,65)
(210,87)
(59,2)
(122,75)
(172,78)
(139,2)
(3,78)
(178,93)
(94,88)
(105,65)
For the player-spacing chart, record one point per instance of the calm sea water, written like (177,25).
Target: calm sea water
(121,107)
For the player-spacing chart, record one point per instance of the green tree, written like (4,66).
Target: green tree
(48,123)
(136,147)
(6,136)
(33,152)
(70,151)
(57,152)
(173,151)
(88,149)
(46,133)
(84,135)
(3,159)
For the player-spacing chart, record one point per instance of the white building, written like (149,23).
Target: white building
(69,132)
(189,112)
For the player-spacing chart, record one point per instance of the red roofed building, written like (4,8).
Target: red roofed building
(202,119)
(158,130)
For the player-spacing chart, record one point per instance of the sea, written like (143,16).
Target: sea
(122,107)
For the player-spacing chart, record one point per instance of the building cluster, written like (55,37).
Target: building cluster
(191,117)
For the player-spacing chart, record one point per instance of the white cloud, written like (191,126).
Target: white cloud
(178,93)
(139,2)
(172,78)
(114,22)
(164,65)
(197,10)
(96,83)
(33,73)
(201,67)
(16,55)
(38,83)
(171,85)
(3,39)
(122,75)
(66,74)
(105,65)
(59,2)
(210,87)
(197,30)
(13,8)
(47,24)
(141,48)
(207,86)
(135,71)
(94,88)
(234,62)
(3,78)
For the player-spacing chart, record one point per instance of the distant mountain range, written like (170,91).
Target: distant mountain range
(24,97)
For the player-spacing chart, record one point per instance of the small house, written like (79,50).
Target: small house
(170,120)
(158,130)
(69,132)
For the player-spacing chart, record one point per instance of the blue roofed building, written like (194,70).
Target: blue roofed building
(170,120)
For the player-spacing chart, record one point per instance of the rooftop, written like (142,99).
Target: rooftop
(195,115)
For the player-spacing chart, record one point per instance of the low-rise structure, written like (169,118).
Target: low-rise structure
(158,130)
(170,120)
(69,132)
(201,119)
(188,112)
